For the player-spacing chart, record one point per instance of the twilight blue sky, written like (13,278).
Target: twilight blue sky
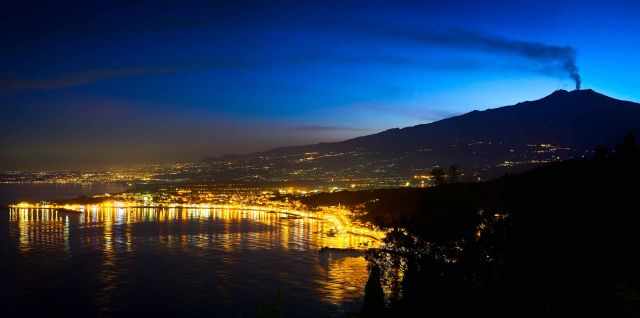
(112,83)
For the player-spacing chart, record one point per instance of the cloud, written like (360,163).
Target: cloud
(79,78)
(73,79)
(552,60)
(323,128)
(552,56)
(410,112)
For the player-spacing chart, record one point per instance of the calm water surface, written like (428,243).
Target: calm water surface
(188,262)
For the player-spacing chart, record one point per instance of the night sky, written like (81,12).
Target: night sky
(131,82)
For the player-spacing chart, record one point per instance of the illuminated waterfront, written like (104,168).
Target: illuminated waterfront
(219,256)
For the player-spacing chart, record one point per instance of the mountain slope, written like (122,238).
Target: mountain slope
(485,143)
(581,118)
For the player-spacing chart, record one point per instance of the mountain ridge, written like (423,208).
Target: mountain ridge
(577,101)
(483,143)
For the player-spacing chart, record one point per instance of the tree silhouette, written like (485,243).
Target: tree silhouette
(438,175)
(454,174)
(601,152)
(373,294)
(629,148)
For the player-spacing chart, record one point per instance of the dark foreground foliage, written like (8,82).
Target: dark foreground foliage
(559,240)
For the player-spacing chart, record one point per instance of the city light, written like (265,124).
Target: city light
(341,221)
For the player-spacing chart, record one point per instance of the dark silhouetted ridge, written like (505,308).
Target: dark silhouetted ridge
(578,118)
(562,125)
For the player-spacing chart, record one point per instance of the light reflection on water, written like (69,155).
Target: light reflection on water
(214,261)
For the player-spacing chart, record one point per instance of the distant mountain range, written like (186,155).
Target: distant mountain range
(559,126)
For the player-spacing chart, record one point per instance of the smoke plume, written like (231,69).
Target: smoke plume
(557,57)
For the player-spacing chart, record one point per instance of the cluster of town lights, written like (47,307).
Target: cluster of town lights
(340,218)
